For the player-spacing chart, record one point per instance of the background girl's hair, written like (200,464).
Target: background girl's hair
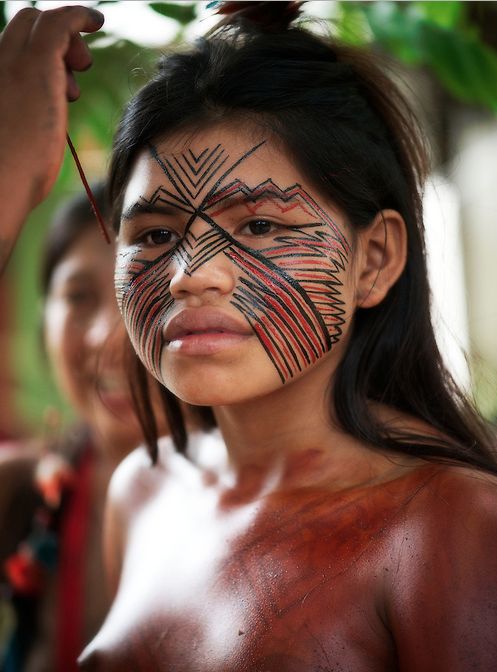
(73,218)
(351,132)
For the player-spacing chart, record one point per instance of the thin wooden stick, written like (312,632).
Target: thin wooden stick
(91,197)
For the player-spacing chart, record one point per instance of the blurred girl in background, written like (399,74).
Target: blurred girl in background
(51,507)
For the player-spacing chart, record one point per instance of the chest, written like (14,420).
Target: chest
(286,589)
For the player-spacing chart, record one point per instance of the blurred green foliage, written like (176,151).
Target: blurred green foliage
(440,36)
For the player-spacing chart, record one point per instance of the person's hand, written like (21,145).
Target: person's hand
(38,53)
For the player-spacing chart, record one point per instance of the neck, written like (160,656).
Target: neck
(290,439)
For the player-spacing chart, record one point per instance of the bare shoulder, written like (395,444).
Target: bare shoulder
(441,576)
(137,482)
(449,526)
(134,483)
(137,479)
(468,492)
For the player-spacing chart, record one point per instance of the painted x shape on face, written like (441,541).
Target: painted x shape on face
(286,250)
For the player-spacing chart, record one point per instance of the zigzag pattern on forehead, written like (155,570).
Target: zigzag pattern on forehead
(274,193)
(190,174)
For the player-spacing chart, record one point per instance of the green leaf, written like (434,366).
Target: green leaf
(184,13)
(352,26)
(3,16)
(449,14)
(462,62)
(398,33)
(466,66)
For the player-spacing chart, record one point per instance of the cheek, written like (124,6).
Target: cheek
(64,346)
(294,302)
(56,335)
(144,299)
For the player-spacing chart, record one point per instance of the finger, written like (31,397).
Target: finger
(78,55)
(72,90)
(17,32)
(54,28)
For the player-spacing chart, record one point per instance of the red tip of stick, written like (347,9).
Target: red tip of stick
(91,197)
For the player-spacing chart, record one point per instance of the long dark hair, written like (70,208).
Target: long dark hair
(350,131)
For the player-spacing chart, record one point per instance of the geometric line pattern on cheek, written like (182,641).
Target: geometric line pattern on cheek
(290,292)
(145,299)
(311,260)
(287,325)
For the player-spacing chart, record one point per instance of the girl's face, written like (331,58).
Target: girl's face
(84,339)
(233,274)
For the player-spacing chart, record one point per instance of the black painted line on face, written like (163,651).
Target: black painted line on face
(171,200)
(288,323)
(268,189)
(248,297)
(198,160)
(261,294)
(283,303)
(269,265)
(201,174)
(194,192)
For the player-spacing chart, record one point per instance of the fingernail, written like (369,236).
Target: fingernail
(96,15)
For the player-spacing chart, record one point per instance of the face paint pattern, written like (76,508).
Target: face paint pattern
(289,292)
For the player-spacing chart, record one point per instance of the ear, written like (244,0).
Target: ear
(382,257)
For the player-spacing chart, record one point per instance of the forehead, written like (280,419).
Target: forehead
(89,255)
(196,162)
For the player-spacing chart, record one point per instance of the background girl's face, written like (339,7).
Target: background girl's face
(232,271)
(84,338)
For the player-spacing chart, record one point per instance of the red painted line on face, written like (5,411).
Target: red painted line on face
(269,279)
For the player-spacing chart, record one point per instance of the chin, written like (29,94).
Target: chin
(223,392)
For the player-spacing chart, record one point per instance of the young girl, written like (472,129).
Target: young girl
(270,264)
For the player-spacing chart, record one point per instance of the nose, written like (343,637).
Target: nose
(200,267)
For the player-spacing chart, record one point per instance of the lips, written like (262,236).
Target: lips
(204,321)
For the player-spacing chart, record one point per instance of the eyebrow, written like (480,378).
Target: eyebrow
(74,276)
(147,208)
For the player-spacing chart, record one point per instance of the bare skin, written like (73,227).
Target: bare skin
(303,578)
(310,550)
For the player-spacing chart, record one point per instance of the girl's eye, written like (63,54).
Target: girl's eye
(79,298)
(158,237)
(259,227)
